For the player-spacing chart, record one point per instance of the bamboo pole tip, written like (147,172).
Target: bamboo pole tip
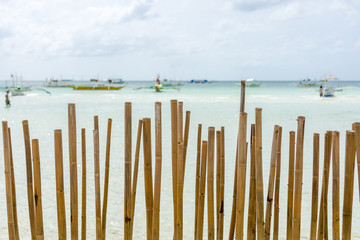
(242,82)
(57,131)
(316,135)
(109,120)
(258,109)
(173,101)
(127,103)
(25,122)
(301,118)
(336,133)
(350,132)
(243,114)
(356,123)
(4,123)
(71,105)
(212,129)
(293,132)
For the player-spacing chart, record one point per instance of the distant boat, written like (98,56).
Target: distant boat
(250,82)
(101,87)
(329,92)
(115,80)
(307,83)
(57,83)
(199,81)
(328,78)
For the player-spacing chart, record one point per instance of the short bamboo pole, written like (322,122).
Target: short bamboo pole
(220,234)
(336,187)
(315,187)
(127,173)
(200,223)
(322,227)
(197,181)
(271,184)
(148,176)
(60,198)
(180,187)
(83,185)
(106,180)
(37,190)
(135,175)
(73,171)
(186,139)
(348,184)
(241,177)
(13,188)
(277,186)
(298,179)
(290,184)
(158,163)
(259,176)
(29,179)
(251,227)
(356,128)
(210,183)
(217,185)
(7,168)
(174,138)
(97,184)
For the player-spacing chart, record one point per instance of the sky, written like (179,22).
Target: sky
(180,40)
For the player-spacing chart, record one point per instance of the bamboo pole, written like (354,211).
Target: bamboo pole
(233,209)
(322,227)
(37,190)
(356,128)
(200,223)
(210,183)
(127,173)
(290,184)
(298,179)
(242,99)
(13,188)
(197,181)
(251,227)
(73,171)
(259,175)
(158,163)
(180,122)
(241,177)
(29,179)
(83,185)
(186,140)
(60,198)
(315,187)
(220,234)
(277,186)
(174,138)
(180,187)
(97,184)
(106,180)
(271,184)
(135,175)
(348,184)
(336,187)
(148,176)
(218,156)
(7,168)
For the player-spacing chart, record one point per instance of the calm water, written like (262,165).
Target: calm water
(215,104)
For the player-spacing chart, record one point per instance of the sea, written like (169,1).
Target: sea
(214,104)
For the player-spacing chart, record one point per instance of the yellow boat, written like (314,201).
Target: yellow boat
(96,87)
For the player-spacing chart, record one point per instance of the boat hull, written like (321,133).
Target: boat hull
(101,88)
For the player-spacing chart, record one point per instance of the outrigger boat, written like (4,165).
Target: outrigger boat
(307,83)
(250,82)
(96,87)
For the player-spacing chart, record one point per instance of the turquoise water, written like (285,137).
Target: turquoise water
(216,104)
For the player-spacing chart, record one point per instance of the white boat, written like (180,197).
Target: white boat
(115,80)
(329,92)
(251,82)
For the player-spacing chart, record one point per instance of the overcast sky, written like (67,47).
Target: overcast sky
(187,39)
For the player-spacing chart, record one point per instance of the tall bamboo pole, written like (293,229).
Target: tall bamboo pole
(251,227)
(197,182)
(218,154)
(277,186)
(322,227)
(290,184)
(259,175)
(135,175)
(83,185)
(158,163)
(220,234)
(270,195)
(60,198)
(315,187)
(298,179)
(180,168)
(97,184)
(174,138)
(186,140)
(241,177)
(348,184)
(233,208)
(29,179)
(73,171)
(37,190)
(148,176)
(13,188)
(127,173)
(336,187)
(7,168)
(210,183)
(106,180)
(356,128)
(200,223)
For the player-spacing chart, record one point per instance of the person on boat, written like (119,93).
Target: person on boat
(321,91)
(7,100)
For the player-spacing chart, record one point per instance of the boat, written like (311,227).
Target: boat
(307,83)
(115,80)
(251,82)
(328,78)
(99,87)
(330,83)
(57,83)
(329,92)
(199,81)
(16,89)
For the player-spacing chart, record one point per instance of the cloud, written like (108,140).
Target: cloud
(254,5)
